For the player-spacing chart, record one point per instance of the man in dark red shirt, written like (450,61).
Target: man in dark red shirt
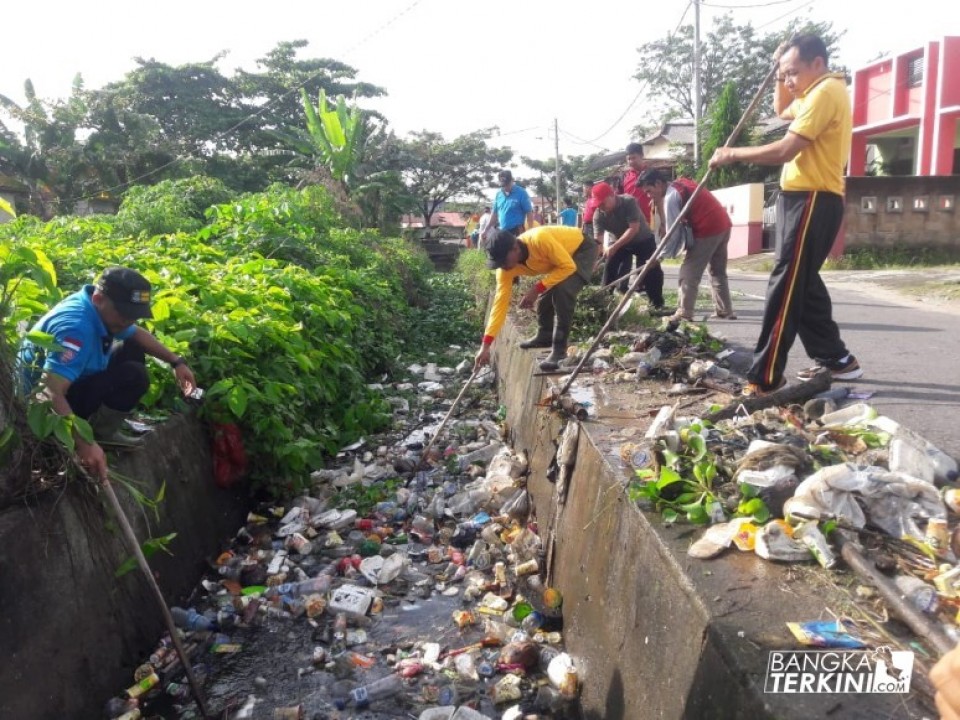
(630,180)
(706,244)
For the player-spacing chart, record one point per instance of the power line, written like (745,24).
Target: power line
(786,14)
(274,101)
(639,92)
(745,7)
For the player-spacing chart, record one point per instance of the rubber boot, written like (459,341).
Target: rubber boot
(557,356)
(543,339)
(108,424)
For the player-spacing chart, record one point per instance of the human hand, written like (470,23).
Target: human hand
(529,298)
(945,677)
(93,460)
(185,380)
(722,156)
(483,357)
(781,49)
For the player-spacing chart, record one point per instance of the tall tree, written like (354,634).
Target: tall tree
(436,170)
(729,53)
(573,171)
(723,118)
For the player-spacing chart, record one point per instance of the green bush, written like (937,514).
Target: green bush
(169,206)
(284,316)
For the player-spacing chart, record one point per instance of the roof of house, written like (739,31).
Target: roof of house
(448,219)
(678,131)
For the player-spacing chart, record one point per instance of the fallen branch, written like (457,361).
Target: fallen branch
(787,395)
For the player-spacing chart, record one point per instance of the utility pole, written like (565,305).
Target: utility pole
(556,155)
(696,84)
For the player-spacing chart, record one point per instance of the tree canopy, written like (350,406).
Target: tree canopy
(436,170)
(729,53)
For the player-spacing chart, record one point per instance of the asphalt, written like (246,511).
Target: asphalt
(909,347)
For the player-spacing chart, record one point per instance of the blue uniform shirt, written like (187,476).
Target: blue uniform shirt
(76,325)
(512,209)
(568,216)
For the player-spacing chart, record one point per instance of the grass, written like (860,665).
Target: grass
(877,258)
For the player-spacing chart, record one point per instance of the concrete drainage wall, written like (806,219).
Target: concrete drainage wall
(658,634)
(70,632)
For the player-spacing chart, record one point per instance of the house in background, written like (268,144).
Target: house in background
(905,111)
(443,226)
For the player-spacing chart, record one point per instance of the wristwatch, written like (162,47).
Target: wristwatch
(178,362)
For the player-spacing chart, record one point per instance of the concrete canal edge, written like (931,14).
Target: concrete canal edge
(70,632)
(659,634)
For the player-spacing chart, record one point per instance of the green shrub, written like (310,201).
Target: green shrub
(284,316)
(169,206)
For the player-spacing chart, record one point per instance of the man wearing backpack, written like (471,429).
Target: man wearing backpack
(707,226)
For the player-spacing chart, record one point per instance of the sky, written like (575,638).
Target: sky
(449,66)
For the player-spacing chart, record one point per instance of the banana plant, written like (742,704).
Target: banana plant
(335,134)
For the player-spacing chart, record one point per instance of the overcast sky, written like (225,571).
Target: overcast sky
(450,66)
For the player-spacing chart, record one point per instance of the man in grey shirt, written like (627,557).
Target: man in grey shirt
(620,216)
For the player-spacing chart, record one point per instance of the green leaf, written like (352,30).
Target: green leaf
(150,547)
(668,476)
(698,445)
(45,341)
(237,400)
(37,413)
(698,515)
(64,434)
(671,458)
(670,516)
(83,429)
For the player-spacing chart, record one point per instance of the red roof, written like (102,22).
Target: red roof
(449,219)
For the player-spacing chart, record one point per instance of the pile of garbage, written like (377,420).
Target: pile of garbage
(396,587)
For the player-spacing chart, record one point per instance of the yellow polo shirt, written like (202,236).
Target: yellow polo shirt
(551,249)
(822,116)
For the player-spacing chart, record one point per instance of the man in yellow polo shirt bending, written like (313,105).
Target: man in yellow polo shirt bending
(565,256)
(809,212)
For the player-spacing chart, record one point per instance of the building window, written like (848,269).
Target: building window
(946,203)
(894,204)
(921,204)
(915,72)
(868,204)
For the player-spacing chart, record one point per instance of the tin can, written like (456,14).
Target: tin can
(143,685)
(527,568)
(295,712)
(937,536)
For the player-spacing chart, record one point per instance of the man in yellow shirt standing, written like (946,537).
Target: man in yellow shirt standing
(809,212)
(565,256)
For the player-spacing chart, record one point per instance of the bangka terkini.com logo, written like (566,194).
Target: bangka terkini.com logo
(839,671)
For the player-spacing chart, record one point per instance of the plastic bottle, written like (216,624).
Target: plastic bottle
(318,584)
(190,619)
(918,593)
(850,415)
(340,632)
(378,690)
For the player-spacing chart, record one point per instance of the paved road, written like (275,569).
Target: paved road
(909,349)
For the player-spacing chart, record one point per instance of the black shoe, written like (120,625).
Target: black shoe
(553,360)
(537,341)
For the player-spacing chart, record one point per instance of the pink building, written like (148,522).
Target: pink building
(905,111)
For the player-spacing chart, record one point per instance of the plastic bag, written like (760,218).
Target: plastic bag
(229,455)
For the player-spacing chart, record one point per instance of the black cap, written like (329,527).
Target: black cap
(505,176)
(129,291)
(498,249)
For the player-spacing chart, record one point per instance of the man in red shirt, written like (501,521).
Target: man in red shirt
(706,241)
(630,180)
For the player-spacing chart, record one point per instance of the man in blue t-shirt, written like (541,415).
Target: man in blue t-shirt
(98,371)
(511,207)
(568,216)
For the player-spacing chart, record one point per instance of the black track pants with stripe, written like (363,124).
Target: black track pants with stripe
(797,300)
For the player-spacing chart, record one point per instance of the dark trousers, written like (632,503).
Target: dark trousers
(797,300)
(555,307)
(620,264)
(119,387)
